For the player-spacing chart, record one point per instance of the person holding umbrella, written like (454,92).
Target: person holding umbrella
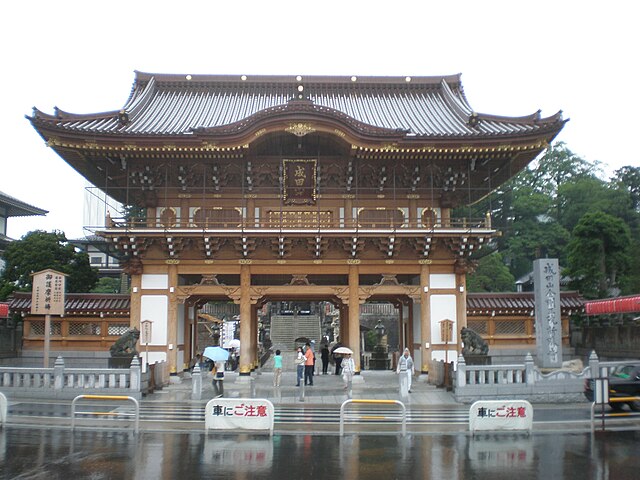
(219,356)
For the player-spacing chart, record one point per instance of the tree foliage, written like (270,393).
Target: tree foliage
(39,250)
(599,254)
(491,275)
(107,285)
(559,207)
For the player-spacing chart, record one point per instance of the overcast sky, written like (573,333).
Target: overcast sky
(515,57)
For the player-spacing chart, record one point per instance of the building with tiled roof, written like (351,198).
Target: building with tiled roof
(256,189)
(12,207)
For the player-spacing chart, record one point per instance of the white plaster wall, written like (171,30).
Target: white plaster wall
(155,308)
(442,280)
(153,358)
(155,281)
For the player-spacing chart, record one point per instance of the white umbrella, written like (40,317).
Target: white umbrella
(234,343)
(343,350)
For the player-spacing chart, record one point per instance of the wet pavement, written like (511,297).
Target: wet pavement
(326,390)
(41,453)
(299,448)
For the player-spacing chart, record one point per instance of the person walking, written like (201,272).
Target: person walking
(300,359)
(324,355)
(406,368)
(218,379)
(277,369)
(337,358)
(348,370)
(308,365)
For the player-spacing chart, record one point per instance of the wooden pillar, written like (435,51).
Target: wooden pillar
(353,341)
(348,211)
(188,340)
(251,212)
(344,323)
(136,285)
(425,317)
(172,321)
(255,359)
(413,218)
(245,321)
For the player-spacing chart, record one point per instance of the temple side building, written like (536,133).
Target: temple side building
(257,189)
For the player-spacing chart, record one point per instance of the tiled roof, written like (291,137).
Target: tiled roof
(418,107)
(516,303)
(79,303)
(477,303)
(17,208)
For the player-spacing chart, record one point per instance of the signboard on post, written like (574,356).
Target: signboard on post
(239,414)
(145,331)
(47,294)
(47,298)
(495,415)
(145,338)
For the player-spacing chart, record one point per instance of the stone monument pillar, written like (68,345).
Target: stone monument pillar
(546,276)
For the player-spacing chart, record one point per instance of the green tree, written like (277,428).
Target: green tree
(107,285)
(491,275)
(590,194)
(628,178)
(533,232)
(39,250)
(598,254)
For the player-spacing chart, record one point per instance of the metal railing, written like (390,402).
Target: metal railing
(136,415)
(614,414)
(354,416)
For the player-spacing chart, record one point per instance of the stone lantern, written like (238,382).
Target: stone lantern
(380,356)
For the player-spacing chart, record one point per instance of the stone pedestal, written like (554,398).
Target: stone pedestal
(380,358)
(121,362)
(474,359)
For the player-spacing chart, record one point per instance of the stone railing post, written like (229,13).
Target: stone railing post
(461,372)
(58,374)
(594,365)
(528,369)
(196,383)
(135,372)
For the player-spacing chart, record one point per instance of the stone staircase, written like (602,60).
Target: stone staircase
(286,328)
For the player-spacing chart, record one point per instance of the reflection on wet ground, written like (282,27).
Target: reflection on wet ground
(57,453)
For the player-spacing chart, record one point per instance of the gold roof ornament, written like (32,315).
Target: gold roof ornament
(300,129)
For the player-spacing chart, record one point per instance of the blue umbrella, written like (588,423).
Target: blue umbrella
(217,354)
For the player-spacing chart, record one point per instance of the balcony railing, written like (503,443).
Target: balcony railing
(307,223)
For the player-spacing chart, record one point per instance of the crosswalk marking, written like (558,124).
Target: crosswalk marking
(284,414)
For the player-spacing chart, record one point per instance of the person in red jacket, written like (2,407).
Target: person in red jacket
(308,365)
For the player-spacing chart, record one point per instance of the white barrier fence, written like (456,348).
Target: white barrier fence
(64,382)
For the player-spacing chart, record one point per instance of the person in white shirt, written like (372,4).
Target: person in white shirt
(218,379)
(348,370)
(405,367)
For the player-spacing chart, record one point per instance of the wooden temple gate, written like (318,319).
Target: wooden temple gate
(233,186)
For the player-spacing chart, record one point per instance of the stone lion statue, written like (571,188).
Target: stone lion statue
(125,346)
(473,343)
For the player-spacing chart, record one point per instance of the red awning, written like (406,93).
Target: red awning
(613,305)
(4,310)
